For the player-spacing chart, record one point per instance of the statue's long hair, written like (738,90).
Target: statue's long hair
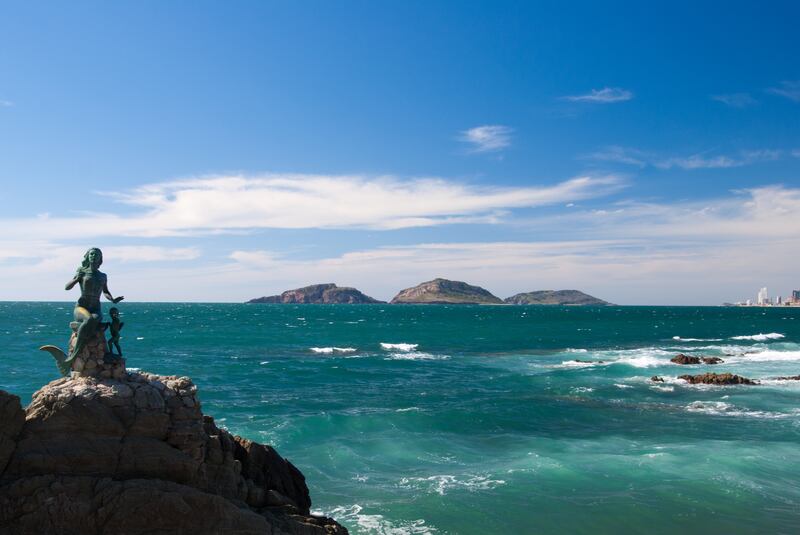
(86,266)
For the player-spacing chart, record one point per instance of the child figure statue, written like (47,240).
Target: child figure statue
(116,327)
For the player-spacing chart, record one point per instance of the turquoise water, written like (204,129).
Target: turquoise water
(483,422)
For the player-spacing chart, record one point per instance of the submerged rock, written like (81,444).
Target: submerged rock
(657,379)
(718,379)
(712,360)
(788,378)
(136,456)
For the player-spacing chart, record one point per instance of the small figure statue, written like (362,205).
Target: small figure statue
(88,311)
(115,327)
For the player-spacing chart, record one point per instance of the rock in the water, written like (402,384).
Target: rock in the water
(788,378)
(657,379)
(554,297)
(717,379)
(136,456)
(680,358)
(446,292)
(320,294)
(712,360)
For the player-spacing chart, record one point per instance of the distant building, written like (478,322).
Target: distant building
(796,296)
(763,297)
(779,300)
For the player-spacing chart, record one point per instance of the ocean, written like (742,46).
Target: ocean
(479,419)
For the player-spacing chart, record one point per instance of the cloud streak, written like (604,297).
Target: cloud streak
(220,204)
(735,100)
(487,138)
(639,158)
(787,89)
(607,95)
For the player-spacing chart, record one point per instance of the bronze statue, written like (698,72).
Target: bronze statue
(88,311)
(116,327)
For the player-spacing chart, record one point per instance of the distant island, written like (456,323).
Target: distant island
(434,292)
(554,297)
(319,294)
(446,292)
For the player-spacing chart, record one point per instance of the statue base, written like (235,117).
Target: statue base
(94,359)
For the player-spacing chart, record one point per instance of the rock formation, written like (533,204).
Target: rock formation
(135,456)
(717,379)
(320,294)
(446,292)
(680,358)
(554,297)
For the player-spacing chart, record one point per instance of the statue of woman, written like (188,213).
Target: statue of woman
(88,311)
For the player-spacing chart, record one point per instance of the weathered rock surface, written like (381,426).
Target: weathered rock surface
(99,456)
(319,294)
(446,292)
(554,297)
(717,379)
(680,358)
(784,378)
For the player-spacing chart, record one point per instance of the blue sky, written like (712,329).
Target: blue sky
(221,151)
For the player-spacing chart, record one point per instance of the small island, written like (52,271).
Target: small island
(446,292)
(319,294)
(554,297)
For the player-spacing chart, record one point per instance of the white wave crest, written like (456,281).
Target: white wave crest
(376,524)
(329,350)
(398,347)
(760,337)
(697,339)
(441,484)
(721,408)
(415,355)
(663,388)
(766,356)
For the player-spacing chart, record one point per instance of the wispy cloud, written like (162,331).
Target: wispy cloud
(639,158)
(212,205)
(606,95)
(788,89)
(487,138)
(5,103)
(735,100)
(796,153)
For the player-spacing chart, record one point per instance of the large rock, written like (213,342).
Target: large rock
(319,294)
(554,297)
(135,456)
(717,379)
(446,292)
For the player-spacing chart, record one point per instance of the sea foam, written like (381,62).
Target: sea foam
(759,337)
(329,350)
(398,347)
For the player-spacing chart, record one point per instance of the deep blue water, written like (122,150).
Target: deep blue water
(483,422)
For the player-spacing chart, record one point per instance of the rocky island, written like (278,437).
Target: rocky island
(319,294)
(554,297)
(446,292)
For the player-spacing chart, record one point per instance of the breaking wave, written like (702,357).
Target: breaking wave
(329,350)
(398,347)
(759,337)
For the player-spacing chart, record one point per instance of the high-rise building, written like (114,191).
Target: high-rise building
(763,297)
(795,296)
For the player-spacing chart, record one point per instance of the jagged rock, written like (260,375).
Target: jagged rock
(322,294)
(717,379)
(657,379)
(712,360)
(788,378)
(680,358)
(446,292)
(554,297)
(137,456)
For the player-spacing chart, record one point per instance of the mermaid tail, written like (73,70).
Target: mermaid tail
(62,361)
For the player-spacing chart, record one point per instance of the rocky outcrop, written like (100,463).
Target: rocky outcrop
(136,455)
(554,297)
(717,379)
(784,378)
(446,292)
(319,294)
(657,379)
(680,358)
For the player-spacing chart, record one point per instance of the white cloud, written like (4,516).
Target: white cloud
(5,103)
(487,138)
(735,100)
(788,89)
(605,96)
(237,203)
(630,156)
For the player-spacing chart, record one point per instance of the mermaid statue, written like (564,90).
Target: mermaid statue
(88,311)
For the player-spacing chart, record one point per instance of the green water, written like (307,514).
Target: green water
(483,422)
